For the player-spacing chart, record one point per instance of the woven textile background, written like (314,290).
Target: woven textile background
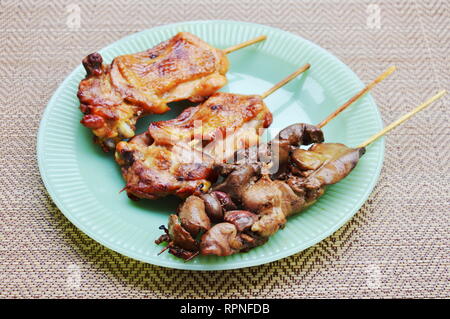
(397,245)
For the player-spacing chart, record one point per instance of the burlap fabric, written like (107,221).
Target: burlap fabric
(397,245)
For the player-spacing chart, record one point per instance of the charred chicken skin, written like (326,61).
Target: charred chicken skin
(264,200)
(114,96)
(177,157)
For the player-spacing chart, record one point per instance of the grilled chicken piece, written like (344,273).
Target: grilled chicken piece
(113,97)
(231,121)
(152,171)
(178,156)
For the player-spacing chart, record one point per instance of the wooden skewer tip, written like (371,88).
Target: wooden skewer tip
(358,95)
(244,44)
(286,80)
(402,119)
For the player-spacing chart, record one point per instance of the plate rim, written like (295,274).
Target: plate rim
(222,266)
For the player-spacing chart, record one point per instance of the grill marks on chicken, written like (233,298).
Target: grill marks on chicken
(266,201)
(173,157)
(152,171)
(113,97)
(221,113)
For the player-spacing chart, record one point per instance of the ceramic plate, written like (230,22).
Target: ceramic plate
(84,182)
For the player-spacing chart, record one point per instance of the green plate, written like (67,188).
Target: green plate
(85,183)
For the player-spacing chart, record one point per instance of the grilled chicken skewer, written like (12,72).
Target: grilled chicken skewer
(174,158)
(113,97)
(263,191)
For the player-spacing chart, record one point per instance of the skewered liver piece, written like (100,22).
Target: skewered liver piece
(275,154)
(113,97)
(225,238)
(326,163)
(273,201)
(193,216)
(216,203)
(163,160)
(242,219)
(181,242)
(278,150)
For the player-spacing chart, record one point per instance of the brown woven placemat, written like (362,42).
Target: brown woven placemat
(397,245)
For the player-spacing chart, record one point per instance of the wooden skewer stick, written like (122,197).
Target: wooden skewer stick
(403,118)
(244,44)
(285,80)
(164,249)
(357,96)
(192,256)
